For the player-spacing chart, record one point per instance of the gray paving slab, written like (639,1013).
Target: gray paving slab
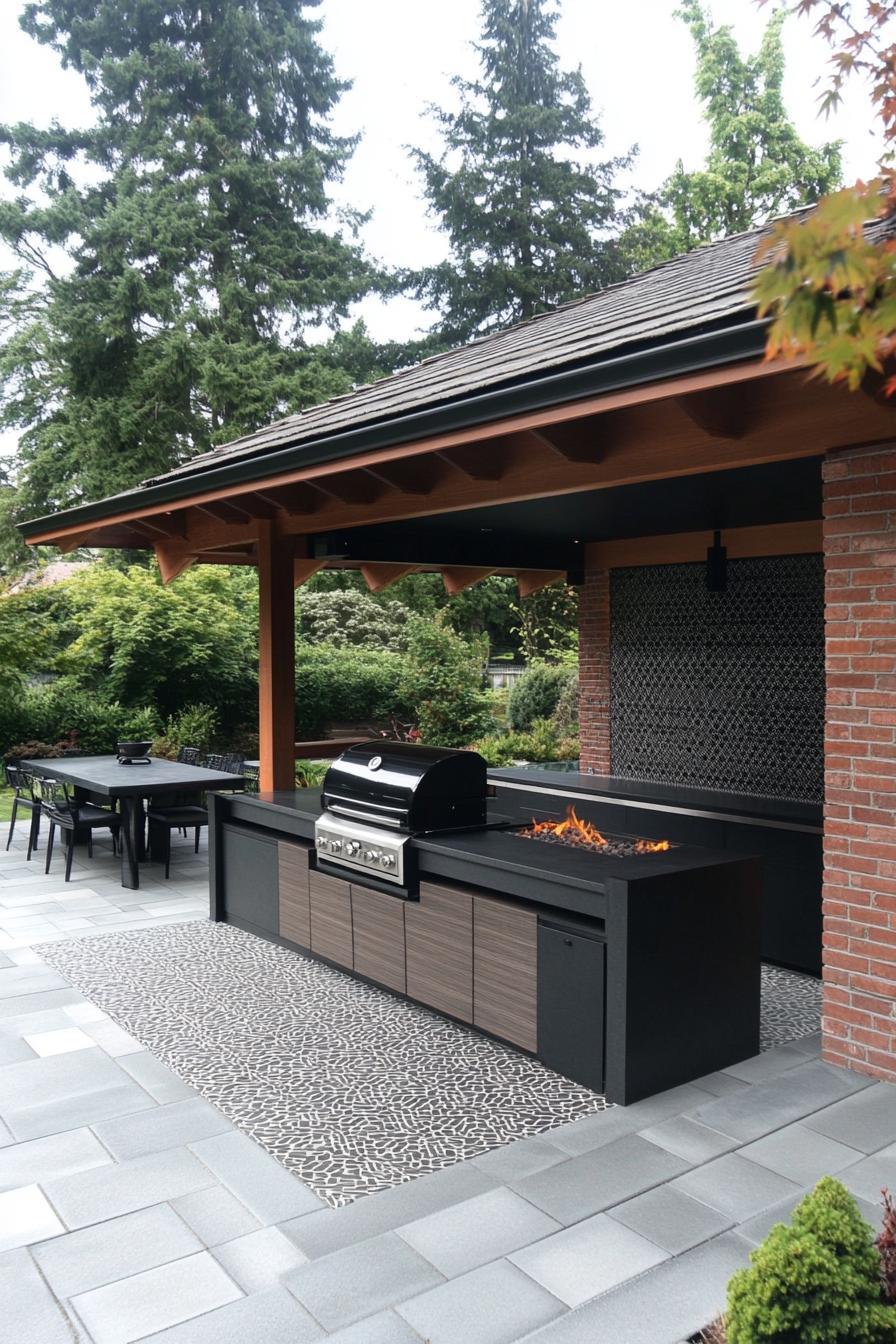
(18,980)
(357,1281)
(116,1249)
(599,1178)
(809,1045)
(801,1154)
(735,1186)
(671,1219)
(259,1259)
(771,1105)
(169,1126)
(688,1139)
(13,1051)
(92,1196)
(663,1306)
(521,1158)
(45,1096)
(591,1131)
(494,1304)
(866,1121)
(270,1317)
(720,1084)
(460,1238)
(868,1177)
(155,1077)
(146,1303)
(755,1230)
(26,1217)
(37,1003)
(331,1229)
(28,1306)
(383,1328)
(215,1215)
(580,1262)
(46,1159)
(268,1190)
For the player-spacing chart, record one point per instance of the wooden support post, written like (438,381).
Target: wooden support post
(276,657)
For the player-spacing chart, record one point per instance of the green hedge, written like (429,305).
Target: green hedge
(345,686)
(51,713)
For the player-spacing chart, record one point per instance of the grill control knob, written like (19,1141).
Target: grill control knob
(322,842)
(353,847)
(335,846)
(387,860)
(371,855)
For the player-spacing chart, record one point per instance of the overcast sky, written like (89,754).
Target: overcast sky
(400,54)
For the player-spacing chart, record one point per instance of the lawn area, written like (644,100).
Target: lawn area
(6,804)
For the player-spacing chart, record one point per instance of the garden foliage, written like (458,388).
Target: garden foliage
(359,686)
(442,683)
(346,618)
(536,694)
(814,1281)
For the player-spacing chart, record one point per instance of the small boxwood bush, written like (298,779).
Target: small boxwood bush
(814,1281)
(536,694)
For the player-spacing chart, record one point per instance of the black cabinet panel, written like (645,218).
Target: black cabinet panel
(571,970)
(250,877)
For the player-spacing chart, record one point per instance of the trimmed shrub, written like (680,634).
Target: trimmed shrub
(346,686)
(541,743)
(536,695)
(194,726)
(442,682)
(565,717)
(816,1281)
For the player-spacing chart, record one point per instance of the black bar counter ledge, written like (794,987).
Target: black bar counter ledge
(629,974)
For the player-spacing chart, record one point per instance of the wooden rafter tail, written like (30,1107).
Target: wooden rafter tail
(173,557)
(71,543)
(458,577)
(718,412)
(531,581)
(378,576)
(304,569)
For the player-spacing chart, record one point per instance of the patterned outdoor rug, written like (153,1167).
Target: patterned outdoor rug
(348,1087)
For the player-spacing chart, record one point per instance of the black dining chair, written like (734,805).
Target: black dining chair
(62,809)
(252,776)
(163,820)
(189,756)
(231,763)
(213,761)
(22,785)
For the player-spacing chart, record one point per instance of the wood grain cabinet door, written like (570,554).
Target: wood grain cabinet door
(505,971)
(295,903)
(439,935)
(331,918)
(378,934)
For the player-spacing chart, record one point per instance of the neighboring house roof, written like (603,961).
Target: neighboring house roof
(693,312)
(56,572)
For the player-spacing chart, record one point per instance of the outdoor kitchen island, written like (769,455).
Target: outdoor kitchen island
(629,974)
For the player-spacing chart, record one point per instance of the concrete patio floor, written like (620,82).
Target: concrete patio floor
(131,1209)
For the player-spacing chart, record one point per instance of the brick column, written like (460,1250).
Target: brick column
(859,1022)
(594,671)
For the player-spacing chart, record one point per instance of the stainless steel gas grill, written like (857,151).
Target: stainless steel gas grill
(378,794)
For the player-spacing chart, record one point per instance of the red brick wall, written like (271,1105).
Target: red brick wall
(594,671)
(860,761)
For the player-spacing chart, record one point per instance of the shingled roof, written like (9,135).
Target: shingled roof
(696,291)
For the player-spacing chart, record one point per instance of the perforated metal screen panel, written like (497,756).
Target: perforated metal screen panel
(720,690)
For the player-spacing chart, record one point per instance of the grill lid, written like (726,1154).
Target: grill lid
(406,786)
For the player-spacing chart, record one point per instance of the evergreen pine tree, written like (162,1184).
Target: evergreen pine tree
(180,258)
(526,207)
(757,166)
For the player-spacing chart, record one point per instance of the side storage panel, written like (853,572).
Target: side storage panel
(439,932)
(249,877)
(378,926)
(331,918)
(295,896)
(505,971)
(571,972)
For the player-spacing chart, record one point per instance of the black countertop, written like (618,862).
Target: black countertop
(783,811)
(552,875)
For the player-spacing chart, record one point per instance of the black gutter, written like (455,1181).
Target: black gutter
(676,359)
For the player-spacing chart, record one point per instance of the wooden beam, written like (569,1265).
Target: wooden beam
(479,461)
(163,525)
(303,569)
(225,511)
(803,538)
(378,575)
(719,412)
(530,581)
(300,498)
(573,443)
(419,476)
(352,487)
(459,577)
(225,558)
(276,658)
(173,557)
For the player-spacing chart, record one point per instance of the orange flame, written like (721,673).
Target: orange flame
(651,846)
(572,829)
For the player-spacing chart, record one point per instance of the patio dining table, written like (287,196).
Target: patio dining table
(131,784)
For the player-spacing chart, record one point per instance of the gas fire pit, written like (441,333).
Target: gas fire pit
(579,834)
